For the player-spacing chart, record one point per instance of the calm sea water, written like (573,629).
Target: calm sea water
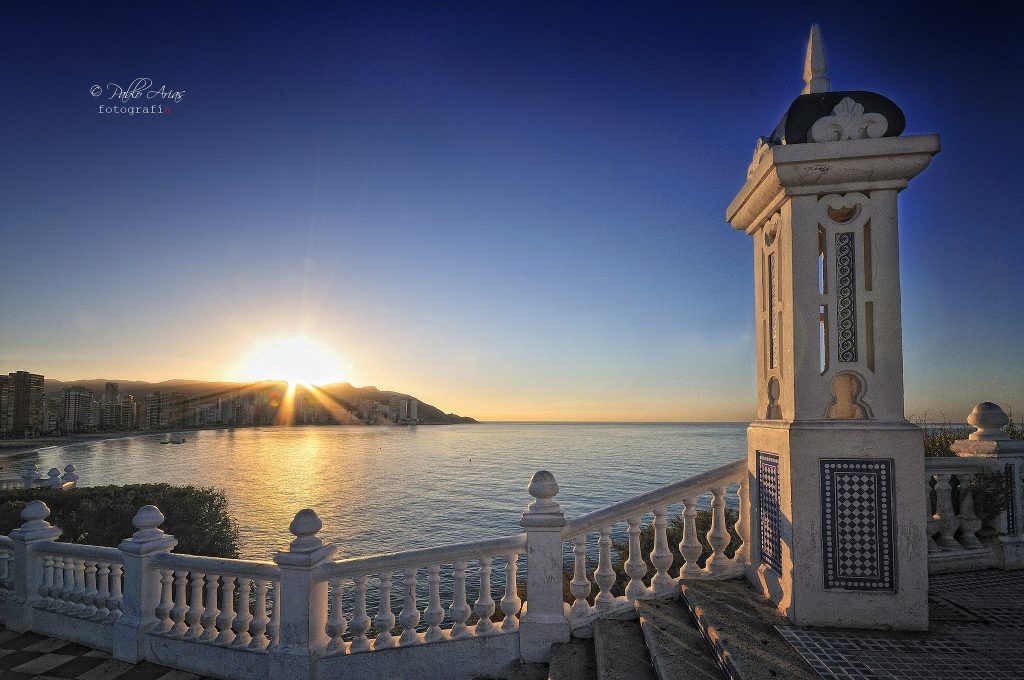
(382,489)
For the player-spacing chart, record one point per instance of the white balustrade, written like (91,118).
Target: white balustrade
(218,601)
(6,553)
(78,580)
(954,529)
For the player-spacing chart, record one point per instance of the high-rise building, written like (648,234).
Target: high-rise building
(77,408)
(22,416)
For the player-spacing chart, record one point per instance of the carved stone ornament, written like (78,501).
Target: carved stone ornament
(771,229)
(848,121)
(760,151)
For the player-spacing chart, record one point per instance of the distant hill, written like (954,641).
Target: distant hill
(344,393)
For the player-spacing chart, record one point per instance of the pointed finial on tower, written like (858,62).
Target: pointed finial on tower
(816,64)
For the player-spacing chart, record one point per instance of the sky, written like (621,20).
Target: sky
(513,211)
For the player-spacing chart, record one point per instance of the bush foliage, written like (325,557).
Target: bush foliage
(102,515)
(939,437)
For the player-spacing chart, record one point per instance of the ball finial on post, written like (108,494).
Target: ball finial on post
(305,527)
(988,419)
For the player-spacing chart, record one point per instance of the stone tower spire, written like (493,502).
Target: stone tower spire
(816,64)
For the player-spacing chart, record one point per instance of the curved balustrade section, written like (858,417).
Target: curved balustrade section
(223,602)
(429,610)
(719,486)
(958,539)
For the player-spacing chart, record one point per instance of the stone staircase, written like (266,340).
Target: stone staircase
(717,629)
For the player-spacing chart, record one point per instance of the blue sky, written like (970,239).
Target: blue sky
(513,211)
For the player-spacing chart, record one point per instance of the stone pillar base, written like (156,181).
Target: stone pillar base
(838,537)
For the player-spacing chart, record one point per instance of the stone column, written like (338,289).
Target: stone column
(141,590)
(545,617)
(837,493)
(26,572)
(989,440)
(303,600)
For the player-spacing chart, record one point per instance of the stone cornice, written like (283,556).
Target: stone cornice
(827,167)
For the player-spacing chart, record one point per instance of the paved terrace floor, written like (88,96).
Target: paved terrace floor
(976,633)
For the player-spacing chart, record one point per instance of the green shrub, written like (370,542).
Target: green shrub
(102,515)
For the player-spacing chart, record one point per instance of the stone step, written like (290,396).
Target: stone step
(678,650)
(572,660)
(521,670)
(621,652)
(740,626)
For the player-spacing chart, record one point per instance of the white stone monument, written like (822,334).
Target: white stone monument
(838,504)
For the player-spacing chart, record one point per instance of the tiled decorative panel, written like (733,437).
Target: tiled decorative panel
(857,517)
(846,299)
(769,510)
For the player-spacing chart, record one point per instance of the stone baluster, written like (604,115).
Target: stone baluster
(163,610)
(336,623)
(116,593)
(969,521)
(240,624)
(274,629)
(46,589)
(210,612)
(103,595)
(460,610)
(743,521)
(947,519)
(300,601)
(484,606)
(360,619)
(258,626)
(141,588)
(662,585)
(91,591)
(690,546)
(510,601)
(434,613)
(718,536)
(544,621)
(67,595)
(605,574)
(57,588)
(227,610)
(26,574)
(194,615)
(385,619)
(78,596)
(580,585)
(180,606)
(635,566)
(410,615)
(933,519)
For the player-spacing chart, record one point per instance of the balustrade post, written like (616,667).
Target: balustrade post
(30,476)
(302,601)
(545,617)
(990,441)
(26,568)
(141,591)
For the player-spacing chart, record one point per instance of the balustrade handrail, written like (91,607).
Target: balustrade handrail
(442,554)
(730,473)
(79,550)
(954,464)
(221,566)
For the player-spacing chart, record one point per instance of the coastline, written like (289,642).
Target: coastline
(9,448)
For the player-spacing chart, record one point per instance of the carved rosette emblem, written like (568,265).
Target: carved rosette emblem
(848,121)
(846,297)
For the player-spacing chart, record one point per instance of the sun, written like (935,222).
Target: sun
(296,360)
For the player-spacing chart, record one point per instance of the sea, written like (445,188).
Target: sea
(386,489)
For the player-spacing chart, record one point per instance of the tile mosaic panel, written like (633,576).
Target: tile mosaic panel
(769,509)
(859,547)
(846,298)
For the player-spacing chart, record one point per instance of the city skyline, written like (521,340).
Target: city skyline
(513,213)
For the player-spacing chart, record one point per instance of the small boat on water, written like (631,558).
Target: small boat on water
(166,439)
(178,439)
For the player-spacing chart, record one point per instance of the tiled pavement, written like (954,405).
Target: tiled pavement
(28,656)
(976,632)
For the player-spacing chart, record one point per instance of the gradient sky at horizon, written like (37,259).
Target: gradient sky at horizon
(514,212)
